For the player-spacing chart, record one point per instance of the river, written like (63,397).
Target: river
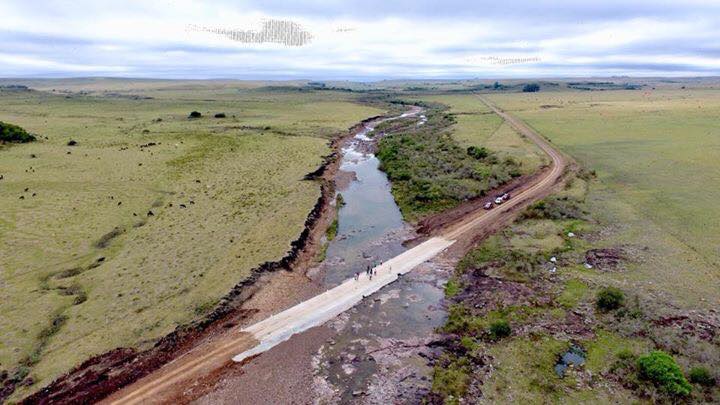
(376,354)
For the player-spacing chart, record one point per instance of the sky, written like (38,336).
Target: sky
(359,40)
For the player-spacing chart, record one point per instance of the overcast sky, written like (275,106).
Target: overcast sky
(360,40)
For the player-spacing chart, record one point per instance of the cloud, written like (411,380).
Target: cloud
(399,39)
(284,32)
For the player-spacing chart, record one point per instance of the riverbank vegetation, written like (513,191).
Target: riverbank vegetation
(430,171)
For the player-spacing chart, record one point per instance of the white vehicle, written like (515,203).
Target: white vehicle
(488,205)
(499,200)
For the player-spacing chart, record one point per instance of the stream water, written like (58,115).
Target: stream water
(376,354)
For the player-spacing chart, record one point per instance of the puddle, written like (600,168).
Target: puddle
(573,357)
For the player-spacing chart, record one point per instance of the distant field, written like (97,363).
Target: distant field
(85,267)
(478,126)
(657,155)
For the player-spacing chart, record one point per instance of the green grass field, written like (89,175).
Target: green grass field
(85,269)
(478,126)
(653,200)
(657,155)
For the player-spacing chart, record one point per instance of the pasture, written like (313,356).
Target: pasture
(657,157)
(478,126)
(151,217)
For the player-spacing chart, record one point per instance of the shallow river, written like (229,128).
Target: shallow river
(376,354)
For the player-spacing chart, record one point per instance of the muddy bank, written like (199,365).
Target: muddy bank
(102,375)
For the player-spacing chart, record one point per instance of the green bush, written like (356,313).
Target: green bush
(478,153)
(431,172)
(13,133)
(555,208)
(701,376)
(332,230)
(660,368)
(609,299)
(452,288)
(499,329)
(451,382)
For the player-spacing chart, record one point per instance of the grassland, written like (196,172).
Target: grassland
(151,217)
(657,156)
(477,126)
(647,213)
(550,305)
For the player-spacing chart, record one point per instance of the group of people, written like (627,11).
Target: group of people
(369,271)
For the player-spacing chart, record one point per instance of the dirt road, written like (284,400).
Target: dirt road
(527,193)
(169,382)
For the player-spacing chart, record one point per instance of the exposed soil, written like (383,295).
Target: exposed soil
(295,374)
(605,259)
(703,326)
(491,293)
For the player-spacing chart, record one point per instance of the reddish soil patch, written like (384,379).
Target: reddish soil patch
(605,259)
(702,327)
(489,293)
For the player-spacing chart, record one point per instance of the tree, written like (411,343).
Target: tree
(531,88)
(195,114)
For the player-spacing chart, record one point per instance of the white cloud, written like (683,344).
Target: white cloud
(140,38)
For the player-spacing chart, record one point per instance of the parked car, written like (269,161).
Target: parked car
(506,196)
(499,200)
(488,205)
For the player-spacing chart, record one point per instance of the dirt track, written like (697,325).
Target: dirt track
(170,382)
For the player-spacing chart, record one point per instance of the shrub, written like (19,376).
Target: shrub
(555,208)
(452,288)
(477,153)
(701,376)
(531,88)
(500,329)
(332,230)
(13,133)
(220,115)
(609,299)
(660,368)
(195,114)
(451,382)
